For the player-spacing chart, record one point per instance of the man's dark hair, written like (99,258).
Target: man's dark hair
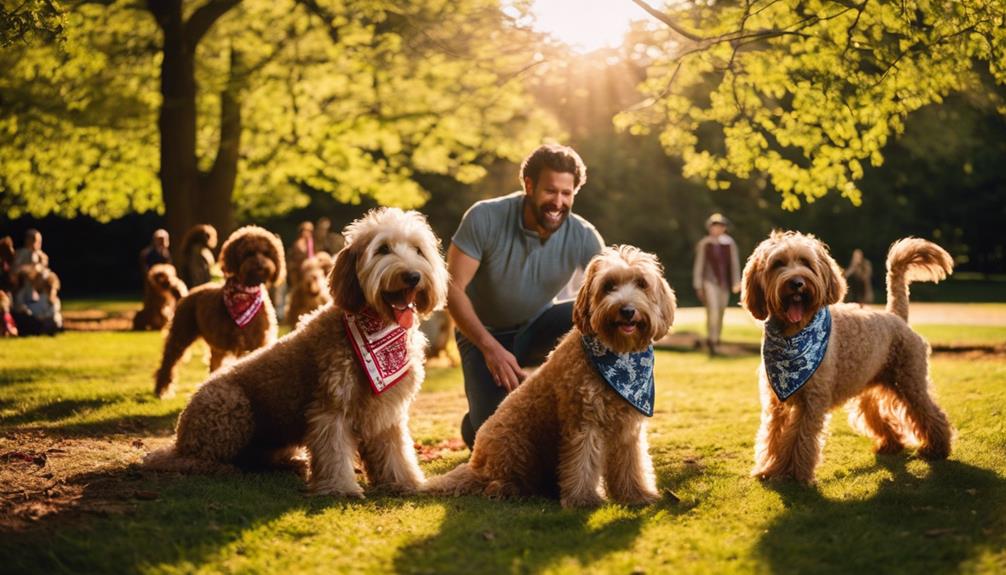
(556,158)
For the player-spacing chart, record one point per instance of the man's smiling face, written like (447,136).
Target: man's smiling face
(550,200)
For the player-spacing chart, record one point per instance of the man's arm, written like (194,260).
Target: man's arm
(501,363)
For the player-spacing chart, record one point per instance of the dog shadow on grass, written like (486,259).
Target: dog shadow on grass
(529,535)
(933,524)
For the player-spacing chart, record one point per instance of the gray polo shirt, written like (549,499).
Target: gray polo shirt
(518,275)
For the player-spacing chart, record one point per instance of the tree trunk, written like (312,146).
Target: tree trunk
(177,120)
(189,196)
(216,189)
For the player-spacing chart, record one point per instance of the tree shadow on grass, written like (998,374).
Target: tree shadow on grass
(129,521)
(932,524)
(51,418)
(531,534)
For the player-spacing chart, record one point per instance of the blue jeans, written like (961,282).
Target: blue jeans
(529,343)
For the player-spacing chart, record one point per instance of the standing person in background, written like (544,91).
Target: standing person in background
(197,255)
(715,275)
(31,253)
(509,259)
(325,240)
(155,253)
(859,276)
(301,249)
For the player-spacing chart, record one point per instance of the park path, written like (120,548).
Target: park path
(919,313)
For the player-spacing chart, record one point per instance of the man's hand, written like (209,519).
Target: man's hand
(503,366)
(702,295)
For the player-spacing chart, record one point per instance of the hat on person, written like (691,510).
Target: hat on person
(717,218)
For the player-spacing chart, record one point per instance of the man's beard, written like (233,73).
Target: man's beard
(547,223)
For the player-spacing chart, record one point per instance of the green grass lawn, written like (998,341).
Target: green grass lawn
(84,399)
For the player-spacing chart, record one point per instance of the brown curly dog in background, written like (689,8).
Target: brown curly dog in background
(564,428)
(161,293)
(874,362)
(252,257)
(309,388)
(311,291)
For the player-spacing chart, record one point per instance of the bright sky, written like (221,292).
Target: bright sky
(586,25)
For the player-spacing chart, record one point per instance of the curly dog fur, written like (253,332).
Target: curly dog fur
(308,389)
(161,293)
(874,362)
(311,291)
(564,428)
(253,256)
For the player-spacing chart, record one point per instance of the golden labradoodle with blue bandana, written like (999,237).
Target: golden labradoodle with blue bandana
(580,417)
(818,354)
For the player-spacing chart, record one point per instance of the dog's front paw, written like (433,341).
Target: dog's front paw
(582,500)
(887,447)
(354,492)
(933,451)
(638,498)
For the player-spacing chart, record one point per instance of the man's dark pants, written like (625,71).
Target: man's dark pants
(530,344)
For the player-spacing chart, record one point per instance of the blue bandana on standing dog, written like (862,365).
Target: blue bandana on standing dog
(791,361)
(630,374)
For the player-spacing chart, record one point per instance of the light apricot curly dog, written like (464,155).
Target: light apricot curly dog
(311,389)
(161,293)
(311,291)
(872,360)
(235,317)
(565,428)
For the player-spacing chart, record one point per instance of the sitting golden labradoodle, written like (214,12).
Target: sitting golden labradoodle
(234,318)
(340,384)
(161,293)
(581,415)
(311,291)
(818,354)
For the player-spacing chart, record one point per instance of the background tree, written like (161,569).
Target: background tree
(254,101)
(807,92)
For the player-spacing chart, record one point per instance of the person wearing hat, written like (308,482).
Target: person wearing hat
(716,273)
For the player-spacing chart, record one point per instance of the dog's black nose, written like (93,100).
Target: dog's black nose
(797,283)
(411,279)
(627,312)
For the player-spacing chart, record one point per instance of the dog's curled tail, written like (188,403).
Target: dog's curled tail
(913,259)
(168,459)
(461,480)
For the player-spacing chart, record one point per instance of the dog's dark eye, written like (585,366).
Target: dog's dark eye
(419,250)
(641,283)
(805,262)
(609,287)
(778,264)
(384,249)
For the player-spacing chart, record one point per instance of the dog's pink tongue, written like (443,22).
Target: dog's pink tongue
(404,318)
(794,313)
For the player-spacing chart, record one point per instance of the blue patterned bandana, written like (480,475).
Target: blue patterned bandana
(791,361)
(630,374)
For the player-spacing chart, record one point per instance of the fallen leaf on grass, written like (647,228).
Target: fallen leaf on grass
(671,496)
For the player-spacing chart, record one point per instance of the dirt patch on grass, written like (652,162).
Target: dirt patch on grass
(46,477)
(97,320)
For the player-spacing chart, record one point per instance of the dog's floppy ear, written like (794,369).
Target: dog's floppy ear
(278,257)
(347,294)
(668,303)
(834,280)
(581,308)
(230,255)
(752,292)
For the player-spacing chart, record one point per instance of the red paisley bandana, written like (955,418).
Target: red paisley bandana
(242,302)
(381,347)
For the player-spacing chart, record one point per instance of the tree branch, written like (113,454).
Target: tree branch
(203,19)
